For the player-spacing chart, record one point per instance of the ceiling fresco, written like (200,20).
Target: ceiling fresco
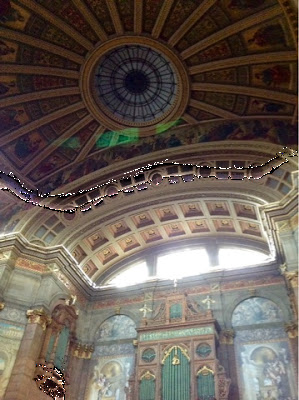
(232,75)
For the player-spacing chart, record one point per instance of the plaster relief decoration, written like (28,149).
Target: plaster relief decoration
(265,363)
(10,339)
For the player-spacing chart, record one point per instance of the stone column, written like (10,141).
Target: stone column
(21,384)
(226,340)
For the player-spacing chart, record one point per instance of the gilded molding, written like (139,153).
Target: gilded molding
(147,375)
(292,330)
(227,336)
(2,305)
(205,371)
(175,360)
(40,317)
(83,351)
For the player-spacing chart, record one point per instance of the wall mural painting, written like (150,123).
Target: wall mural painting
(109,377)
(117,327)
(256,310)
(10,339)
(266,371)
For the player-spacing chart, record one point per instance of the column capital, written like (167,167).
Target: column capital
(292,329)
(227,336)
(292,277)
(40,317)
(84,351)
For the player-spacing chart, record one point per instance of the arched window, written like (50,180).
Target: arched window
(188,262)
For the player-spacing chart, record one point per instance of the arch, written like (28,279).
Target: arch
(116,327)
(230,308)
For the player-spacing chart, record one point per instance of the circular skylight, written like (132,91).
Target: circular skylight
(136,84)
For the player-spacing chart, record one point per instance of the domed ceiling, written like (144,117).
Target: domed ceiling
(93,89)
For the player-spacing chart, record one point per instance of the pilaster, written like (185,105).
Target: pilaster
(227,346)
(21,385)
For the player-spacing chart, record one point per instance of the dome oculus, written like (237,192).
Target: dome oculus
(136,84)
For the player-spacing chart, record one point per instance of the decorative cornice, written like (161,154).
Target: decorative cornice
(40,317)
(227,336)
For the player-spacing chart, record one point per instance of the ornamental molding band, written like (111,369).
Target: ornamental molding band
(142,75)
(148,336)
(227,336)
(40,317)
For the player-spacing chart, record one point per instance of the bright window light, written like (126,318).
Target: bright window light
(135,274)
(183,263)
(234,258)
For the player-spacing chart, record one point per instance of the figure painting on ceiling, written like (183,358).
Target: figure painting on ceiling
(9,12)
(6,87)
(9,118)
(256,310)
(109,380)
(245,4)
(266,372)
(274,76)
(117,327)
(268,35)
(7,51)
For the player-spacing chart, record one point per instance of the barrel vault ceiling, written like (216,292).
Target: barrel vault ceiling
(205,82)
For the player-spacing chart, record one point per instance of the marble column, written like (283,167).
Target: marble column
(21,384)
